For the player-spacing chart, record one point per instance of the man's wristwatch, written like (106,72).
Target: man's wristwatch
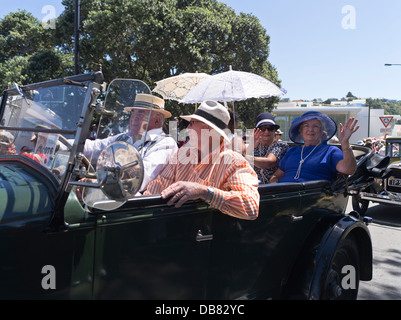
(210,194)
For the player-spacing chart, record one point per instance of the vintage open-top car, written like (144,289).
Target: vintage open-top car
(118,244)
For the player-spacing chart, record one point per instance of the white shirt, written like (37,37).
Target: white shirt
(153,159)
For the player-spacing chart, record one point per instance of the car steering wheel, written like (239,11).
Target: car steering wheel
(85,160)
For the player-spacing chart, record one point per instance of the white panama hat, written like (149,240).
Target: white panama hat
(214,115)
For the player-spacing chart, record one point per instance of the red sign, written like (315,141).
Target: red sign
(386,120)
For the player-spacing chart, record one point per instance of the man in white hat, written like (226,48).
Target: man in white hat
(155,148)
(205,169)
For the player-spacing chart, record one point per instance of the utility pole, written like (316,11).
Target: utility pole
(369,119)
(76,37)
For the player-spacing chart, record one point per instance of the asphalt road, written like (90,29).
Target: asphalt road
(386,239)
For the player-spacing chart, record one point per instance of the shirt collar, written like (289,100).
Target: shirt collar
(152,134)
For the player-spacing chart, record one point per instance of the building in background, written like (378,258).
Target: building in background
(340,111)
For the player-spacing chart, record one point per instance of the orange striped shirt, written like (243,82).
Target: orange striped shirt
(234,180)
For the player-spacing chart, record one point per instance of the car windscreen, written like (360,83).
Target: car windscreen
(34,121)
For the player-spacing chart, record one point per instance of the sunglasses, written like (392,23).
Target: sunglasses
(192,122)
(268,128)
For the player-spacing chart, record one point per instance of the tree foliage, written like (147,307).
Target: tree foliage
(390,107)
(27,51)
(143,39)
(22,35)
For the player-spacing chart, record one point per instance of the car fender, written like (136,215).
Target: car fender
(26,189)
(327,248)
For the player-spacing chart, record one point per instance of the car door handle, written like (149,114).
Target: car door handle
(200,237)
(296,218)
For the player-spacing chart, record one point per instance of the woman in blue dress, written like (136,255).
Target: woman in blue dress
(313,158)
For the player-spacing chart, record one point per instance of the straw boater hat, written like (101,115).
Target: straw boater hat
(329,129)
(146,102)
(214,115)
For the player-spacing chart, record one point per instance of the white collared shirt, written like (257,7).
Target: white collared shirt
(153,159)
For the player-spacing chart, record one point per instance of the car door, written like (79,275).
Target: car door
(248,254)
(147,250)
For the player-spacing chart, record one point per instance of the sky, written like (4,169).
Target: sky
(320,48)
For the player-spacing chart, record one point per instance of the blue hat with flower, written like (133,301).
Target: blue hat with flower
(329,126)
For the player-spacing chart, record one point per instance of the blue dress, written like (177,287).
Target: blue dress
(319,165)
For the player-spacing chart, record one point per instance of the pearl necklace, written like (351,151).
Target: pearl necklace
(303,160)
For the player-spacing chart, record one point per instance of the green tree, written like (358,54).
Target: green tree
(47,64)
(350,96)
(11,71)
(390,107)
(27,51)
(153,39)
(21,34)
(144,39)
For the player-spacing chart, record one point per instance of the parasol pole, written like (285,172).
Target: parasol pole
(196,82)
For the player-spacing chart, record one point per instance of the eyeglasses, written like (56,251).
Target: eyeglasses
(268,128)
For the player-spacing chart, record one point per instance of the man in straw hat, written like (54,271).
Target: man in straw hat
(205,169)
(155,148)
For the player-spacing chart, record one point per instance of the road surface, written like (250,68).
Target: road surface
(386,238)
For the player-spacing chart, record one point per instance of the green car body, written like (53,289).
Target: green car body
(54,247)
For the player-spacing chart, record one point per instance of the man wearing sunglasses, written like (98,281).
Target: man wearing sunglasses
(267,152)
(204,169)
